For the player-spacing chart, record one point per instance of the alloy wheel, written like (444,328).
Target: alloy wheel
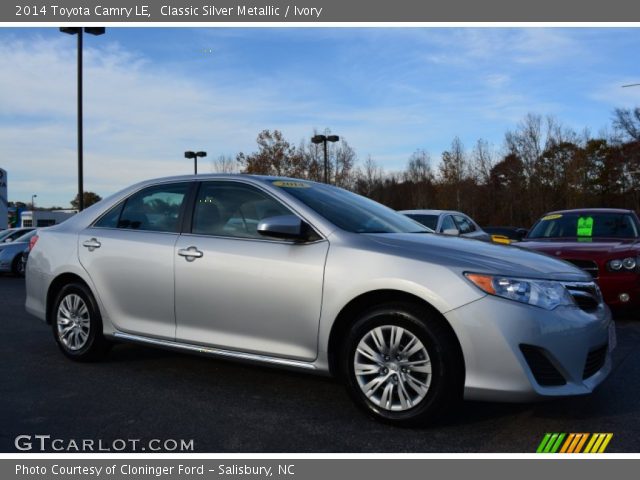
(73,322)
(392,367)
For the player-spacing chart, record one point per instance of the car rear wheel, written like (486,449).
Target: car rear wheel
(402,365)
(77,325)
(17,267)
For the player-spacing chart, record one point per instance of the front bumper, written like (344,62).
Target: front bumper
(613,286)
(492,332)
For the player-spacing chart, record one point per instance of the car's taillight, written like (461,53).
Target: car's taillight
(32,242)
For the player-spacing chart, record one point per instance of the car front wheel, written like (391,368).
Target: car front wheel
(402,365)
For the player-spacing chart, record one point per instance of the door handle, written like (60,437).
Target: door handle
(92,244)
(190,253)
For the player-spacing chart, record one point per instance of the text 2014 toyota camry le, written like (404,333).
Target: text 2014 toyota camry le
(303,275)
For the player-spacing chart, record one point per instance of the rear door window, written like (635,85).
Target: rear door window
(154,209)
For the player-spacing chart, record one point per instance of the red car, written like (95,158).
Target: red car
(602,241)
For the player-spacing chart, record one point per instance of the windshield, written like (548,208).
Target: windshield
(429,221)
(347,210)
(586,225)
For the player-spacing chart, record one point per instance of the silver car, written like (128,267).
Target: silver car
(448,222)
(306,276)
(10,234)
(11,254)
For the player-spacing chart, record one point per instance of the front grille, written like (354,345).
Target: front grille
(543,370)
(595,361)
(586,294)
(588,266)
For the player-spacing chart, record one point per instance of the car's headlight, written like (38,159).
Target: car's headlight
(545,294)
(621,264)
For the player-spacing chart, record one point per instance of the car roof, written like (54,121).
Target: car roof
(429,212)
(591,210)
(231,176)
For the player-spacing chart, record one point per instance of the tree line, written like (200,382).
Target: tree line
(542,165)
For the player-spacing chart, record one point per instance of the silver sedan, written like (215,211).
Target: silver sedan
(306,276)
(448,222)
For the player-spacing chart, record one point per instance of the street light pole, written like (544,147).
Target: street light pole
(80,132)
(194,155)
(79,31)
(33,202)
(324,139)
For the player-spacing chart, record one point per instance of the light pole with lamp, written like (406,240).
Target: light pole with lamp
(194,155)
(317,139)
(78,31)
(33,201)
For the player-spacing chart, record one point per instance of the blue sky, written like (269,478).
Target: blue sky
(151,93)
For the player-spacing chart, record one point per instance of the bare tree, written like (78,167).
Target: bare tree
(482,161)
(454,168)
(225,164)
(627,121)
(369,177)
(527,142)
(345,160)
(419,167)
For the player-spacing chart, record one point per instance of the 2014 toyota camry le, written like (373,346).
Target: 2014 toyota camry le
(302,275)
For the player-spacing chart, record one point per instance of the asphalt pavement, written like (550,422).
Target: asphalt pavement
(148,394)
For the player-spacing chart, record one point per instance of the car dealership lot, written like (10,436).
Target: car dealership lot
(142,393)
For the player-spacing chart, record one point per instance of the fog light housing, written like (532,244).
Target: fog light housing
(624,297)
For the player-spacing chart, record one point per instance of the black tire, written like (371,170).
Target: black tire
(17,266)
(447,365)
(95,345)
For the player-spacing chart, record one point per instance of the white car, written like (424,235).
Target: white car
(448,222)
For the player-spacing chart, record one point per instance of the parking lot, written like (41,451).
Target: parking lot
(142,393)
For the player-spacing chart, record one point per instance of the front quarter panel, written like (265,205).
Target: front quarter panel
(353,269)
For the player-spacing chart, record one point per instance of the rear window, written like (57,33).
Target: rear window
(429,221)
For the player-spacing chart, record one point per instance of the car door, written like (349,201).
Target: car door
(239,290)
(129,255)
(468,228)
(447,224)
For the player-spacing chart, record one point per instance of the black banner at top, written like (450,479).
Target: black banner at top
(234,11)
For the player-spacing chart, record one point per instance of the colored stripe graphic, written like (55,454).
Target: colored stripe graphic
(574,443)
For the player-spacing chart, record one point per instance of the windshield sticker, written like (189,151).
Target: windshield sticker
(585,226)
(290,184)
(555,216)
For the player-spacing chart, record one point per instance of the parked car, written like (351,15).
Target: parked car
(506,235)
(307,276)
(11,254)
(605,242)
(10,234)
(448,222)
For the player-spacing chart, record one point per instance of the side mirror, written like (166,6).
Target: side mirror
(521,233)
(288,227)
(451,231)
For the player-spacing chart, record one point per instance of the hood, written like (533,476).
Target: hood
(471,255)
(568,246)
